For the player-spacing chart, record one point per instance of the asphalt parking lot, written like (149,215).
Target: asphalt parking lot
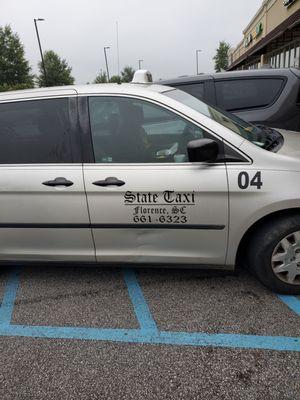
(94,333)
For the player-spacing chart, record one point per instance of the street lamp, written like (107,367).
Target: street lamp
(107,71)
(38,38)
(140,64)
(197,60)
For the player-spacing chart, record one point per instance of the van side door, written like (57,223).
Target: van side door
(43,208)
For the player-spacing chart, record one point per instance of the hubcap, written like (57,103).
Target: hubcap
(286,259)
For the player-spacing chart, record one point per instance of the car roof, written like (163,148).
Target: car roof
(232,74)
(103,88)
(186,78)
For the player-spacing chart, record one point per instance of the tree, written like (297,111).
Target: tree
(101,77)
(221,57)
(14,68)
(58,72)
(115,79)
(127,74)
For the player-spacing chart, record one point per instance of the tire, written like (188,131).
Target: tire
(270,243)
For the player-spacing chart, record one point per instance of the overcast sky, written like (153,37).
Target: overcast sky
(164,33)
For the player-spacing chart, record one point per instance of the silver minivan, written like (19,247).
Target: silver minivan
(146,174)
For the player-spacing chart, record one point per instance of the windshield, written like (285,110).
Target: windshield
(260,136)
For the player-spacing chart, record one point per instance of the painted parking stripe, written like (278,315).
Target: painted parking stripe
(148,334)
(280,343)
(9,296)
(292,302)
(139,303)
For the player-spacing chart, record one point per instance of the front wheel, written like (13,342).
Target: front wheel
(274,254)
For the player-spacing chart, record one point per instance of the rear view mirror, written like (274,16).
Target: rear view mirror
(201,150)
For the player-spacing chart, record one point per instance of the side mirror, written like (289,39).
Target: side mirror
(201,150)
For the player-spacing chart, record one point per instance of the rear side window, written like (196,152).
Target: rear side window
(35,131)
(239,94)
(195,89)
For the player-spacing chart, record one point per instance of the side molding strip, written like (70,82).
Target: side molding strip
(111,226)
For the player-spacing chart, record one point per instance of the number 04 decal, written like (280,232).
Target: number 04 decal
(244,180)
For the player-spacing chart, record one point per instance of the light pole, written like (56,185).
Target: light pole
(197,60)
(107,71)
(118,52)
(38,38)
(140,64)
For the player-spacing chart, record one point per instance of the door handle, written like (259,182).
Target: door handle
(60,181)
(110,181)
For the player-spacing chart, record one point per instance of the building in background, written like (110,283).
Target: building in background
(271,39)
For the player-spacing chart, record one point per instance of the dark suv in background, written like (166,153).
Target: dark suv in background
(269,97)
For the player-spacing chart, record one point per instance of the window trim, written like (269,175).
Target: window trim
(87,142)
(178,86)
(278,77)
(88,155)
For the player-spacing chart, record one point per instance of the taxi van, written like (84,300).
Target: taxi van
(146,174)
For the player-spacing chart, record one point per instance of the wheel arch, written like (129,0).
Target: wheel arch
(239,259)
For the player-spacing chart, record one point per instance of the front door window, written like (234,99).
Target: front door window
(127,130)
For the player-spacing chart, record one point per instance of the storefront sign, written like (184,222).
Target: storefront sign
(259,28)
(248,40)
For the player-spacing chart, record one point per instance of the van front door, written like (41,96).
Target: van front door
(147,203)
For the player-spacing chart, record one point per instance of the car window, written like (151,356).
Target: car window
(195,89)
(239,94)
(260,136)
(127,130)
(35,131)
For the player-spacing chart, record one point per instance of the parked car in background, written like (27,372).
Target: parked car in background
(269,97)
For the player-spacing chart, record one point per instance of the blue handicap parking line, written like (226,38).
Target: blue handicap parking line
(292,302)
(279,343)
(139,303)
(8,300)
(148,332)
